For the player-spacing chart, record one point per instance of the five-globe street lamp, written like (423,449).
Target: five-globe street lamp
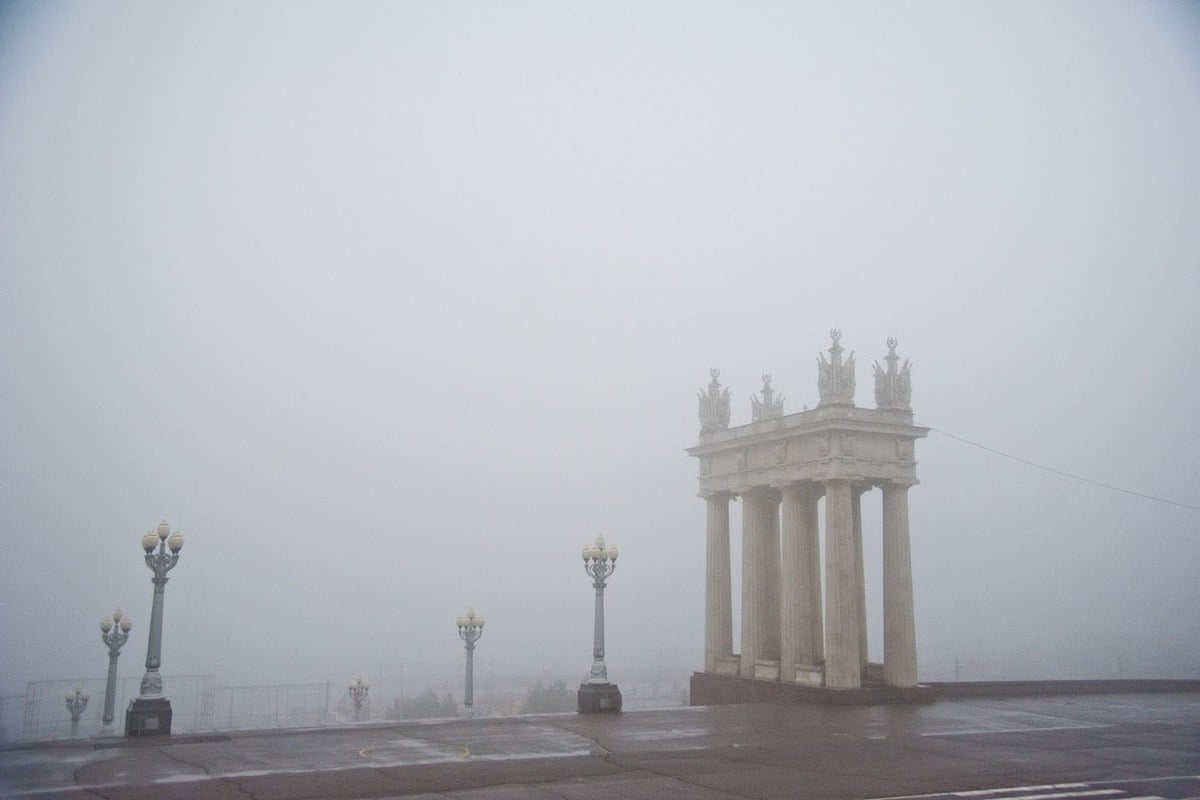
(114,631)
(358,693)
(77,700)
(150,713)
(470,628)
(597,694)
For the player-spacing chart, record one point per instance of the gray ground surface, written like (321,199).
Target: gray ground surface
(1109,746)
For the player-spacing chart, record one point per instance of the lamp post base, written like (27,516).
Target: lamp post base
(148,717)
(599,698)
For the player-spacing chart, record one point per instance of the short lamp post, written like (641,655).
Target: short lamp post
(150,713)
(114,631)
(77,700)
(470,628)
(358,693)
(597,694)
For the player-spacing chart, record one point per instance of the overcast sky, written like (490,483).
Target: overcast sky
(391,307)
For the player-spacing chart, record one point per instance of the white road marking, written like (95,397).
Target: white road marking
(1014,730)
(1045,787)
(996,793)
(1061,795)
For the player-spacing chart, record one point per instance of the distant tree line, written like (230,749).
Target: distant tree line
(426,705)
(548,697)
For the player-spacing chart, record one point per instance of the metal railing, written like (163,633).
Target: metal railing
(197,704)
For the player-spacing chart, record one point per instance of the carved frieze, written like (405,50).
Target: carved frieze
(835,441)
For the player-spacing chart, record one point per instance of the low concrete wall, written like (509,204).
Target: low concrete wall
(968,689)
(712,690)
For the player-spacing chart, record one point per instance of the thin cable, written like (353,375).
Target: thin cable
(1068,474)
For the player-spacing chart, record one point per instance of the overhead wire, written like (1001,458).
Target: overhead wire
(1066,474)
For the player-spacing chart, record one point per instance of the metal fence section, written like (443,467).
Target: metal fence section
(279,706)
(197,704)
(44,712)
(12,716)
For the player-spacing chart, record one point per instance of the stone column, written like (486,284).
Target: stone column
(899,628)
(751,581)
(760,577)
(718,605)
(841,607)
(812,528)
(800,613)
(768,506)
(860,578)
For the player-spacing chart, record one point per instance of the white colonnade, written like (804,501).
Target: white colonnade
(794,629)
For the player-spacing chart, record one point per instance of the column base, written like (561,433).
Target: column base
(599,698)
(148,717)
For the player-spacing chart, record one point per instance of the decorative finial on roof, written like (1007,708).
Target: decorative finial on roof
(767,408)
(893,387)
(714,406)
(835,379)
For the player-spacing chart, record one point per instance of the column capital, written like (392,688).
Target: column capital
(764,492)
(897,483)
(806,489)
(717,495)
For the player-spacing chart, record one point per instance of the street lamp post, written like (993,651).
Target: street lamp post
(114,631)
(150,713)
(77,700)
(470,628)
(597,694)
(358,693)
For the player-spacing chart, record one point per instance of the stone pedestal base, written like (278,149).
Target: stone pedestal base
(597,698)
(715,690)
(148,717)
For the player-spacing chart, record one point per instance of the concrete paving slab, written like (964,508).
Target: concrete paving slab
(717,753)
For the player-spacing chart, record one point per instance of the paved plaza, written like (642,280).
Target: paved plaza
(1101,747)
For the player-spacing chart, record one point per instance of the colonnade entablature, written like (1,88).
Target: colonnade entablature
(780,466)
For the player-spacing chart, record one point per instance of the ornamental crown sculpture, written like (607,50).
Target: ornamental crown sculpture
(714,406)
(893,388)
(835,380)
(769,407)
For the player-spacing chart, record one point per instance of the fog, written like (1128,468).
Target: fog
(390,308)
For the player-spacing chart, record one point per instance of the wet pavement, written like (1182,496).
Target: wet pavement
(1106,746)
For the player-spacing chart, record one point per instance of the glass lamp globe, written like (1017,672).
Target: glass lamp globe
(126,624)
(106,624)
(175,543)
(150,541)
